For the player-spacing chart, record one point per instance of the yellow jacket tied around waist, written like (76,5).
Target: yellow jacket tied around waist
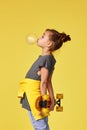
(32,89)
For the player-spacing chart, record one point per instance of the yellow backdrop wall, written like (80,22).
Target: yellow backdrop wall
(17,19)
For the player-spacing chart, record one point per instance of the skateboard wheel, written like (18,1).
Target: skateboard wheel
(37,103)
(46,100)
(60,109)
(59,96)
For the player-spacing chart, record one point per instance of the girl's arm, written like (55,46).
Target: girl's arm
(46,84)
(51,93)
(44,80)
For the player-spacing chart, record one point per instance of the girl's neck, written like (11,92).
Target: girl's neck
(46,52)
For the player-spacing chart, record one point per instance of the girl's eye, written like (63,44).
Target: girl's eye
(42,36)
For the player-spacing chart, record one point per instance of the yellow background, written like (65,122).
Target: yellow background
(17,19)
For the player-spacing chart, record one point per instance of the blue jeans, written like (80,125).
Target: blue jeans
(41,124)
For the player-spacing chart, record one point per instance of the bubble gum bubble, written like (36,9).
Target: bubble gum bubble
(31,39)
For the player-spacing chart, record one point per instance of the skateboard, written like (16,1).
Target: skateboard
(44,102)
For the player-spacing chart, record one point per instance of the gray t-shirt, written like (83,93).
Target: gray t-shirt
(47,61)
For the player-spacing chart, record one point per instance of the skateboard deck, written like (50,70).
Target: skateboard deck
(44,102)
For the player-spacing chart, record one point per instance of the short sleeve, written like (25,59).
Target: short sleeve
(45,62)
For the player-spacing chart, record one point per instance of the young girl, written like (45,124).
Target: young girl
(37,81)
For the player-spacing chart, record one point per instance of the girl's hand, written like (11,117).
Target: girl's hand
(52,106)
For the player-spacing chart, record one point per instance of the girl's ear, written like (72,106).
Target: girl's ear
(50,44)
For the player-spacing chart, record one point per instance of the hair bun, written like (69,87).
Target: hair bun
(64,37)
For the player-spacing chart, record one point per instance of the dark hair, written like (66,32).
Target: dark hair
(58,38)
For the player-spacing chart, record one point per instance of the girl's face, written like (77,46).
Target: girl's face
(44,40)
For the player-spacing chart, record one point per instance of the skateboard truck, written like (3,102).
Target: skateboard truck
(59,97)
